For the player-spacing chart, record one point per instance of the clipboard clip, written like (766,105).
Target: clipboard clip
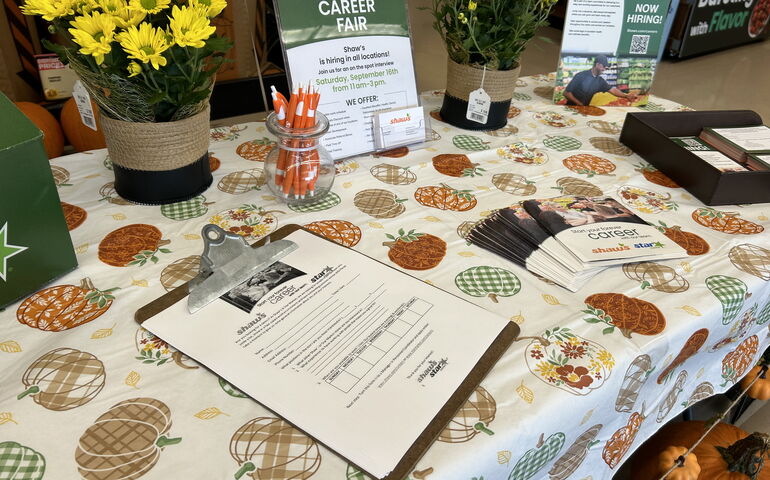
(227,261)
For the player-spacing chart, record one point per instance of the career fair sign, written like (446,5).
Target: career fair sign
(359,54)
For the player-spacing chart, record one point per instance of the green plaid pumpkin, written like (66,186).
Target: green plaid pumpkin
(652,107)
(522,97)
(353,473)
(561,143)
(535,459)
(730,292)
(231,390)
(489,282)
(470,142)
(192,208)
(18,462)
(328,201)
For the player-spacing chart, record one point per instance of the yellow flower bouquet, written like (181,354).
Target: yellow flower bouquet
(140,60)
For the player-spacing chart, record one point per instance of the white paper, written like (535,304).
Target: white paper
(357,354)
(719,161)
(751,139)
(355,85)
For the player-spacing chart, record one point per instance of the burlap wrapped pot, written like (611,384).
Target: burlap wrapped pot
(463,79)
(157,163)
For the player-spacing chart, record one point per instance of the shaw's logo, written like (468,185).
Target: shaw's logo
(407,118)
(621,247)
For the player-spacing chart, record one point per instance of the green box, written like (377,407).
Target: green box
(35,245)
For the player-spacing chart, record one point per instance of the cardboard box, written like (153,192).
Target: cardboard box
(649,135)
(57,79)
(35,245)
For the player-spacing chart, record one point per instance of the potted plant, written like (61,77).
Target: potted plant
(485,39)
(149,65)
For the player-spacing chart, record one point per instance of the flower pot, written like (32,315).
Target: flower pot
(158,163)
(462,80)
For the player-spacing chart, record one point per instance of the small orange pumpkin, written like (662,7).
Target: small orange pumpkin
(81,137)
(670,456)
(53,138)
(761,388)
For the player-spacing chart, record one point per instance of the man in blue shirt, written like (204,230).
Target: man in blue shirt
(585,84)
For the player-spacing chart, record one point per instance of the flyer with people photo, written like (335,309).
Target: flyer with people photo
(609,52)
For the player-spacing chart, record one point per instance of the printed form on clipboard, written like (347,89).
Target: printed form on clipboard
(333,341)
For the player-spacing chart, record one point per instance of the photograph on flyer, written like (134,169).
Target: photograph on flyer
(603,80)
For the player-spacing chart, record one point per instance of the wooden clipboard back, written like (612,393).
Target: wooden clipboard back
(444,415)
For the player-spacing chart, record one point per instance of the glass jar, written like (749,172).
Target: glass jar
(298,169)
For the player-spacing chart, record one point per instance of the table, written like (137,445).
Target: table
(572,397)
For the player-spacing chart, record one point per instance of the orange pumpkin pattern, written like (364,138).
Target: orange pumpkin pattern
(736,363)
(338,231)
(655,176)
(445,198)
(62,307)
(588,164)
(132,245)
(726,222)
(73,215)
(620,442)
(693,244)
(690,348)
(125,442)
(456,165)
(415,251)
(255,150)
(625,313)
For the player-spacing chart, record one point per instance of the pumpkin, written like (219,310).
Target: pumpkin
(132,245)
(620,442)
(625,313)
(535,459)
(484,281)
(738,361)
(63,379)
(687,471)
(445,197)
(669,402)
(271,448)
(693,244)
(702,391)
(125,442)
(456,165)
(690,348)
(731,293)
(73,215)
(393,174)
(575,454)
(62,307)
(338,231)
(473,417)
(636,375)
(590,165)
(726,222)
(379,203)
(80,136)
(726,453)
(415,251)
(18,462)
(53,137)
(760,390)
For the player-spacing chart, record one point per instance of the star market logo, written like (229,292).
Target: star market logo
(7,251)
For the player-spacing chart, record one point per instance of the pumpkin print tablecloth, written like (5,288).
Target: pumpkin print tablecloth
(87,393)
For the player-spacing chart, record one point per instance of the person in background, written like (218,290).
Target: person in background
(585,84)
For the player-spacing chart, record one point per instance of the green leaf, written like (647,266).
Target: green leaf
(592,320)
(154,259)
(164,250)
(149,361)
(163,361)
(608,330)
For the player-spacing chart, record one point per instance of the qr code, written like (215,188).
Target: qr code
(639,44)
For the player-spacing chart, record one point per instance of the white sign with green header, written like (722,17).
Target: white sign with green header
(359,54)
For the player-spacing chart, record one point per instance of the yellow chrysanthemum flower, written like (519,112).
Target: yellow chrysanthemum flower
(124,17)
(148,6)
(190,26)
(94,33)
(212,7)
(145,44)
(49,9)
(472,5)
(134,69)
